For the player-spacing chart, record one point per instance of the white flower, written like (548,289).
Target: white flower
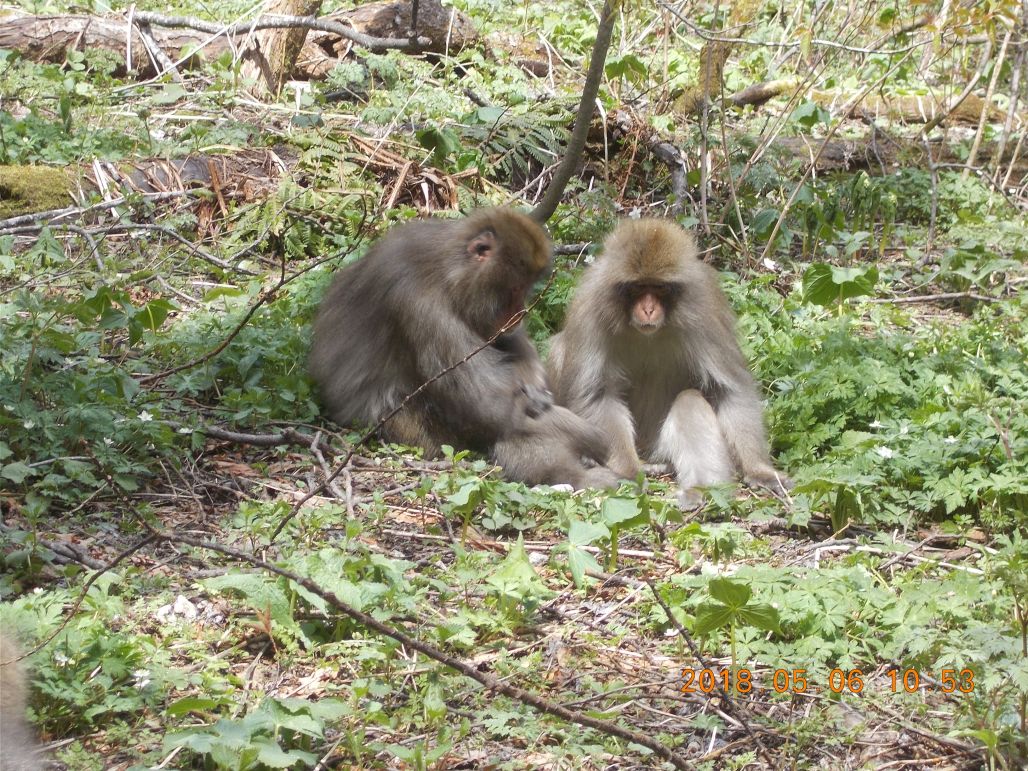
(60,659)
(142,678)
(108,441)
(950,440)
(876,424)
(885,452)
(185,430)
(29,425)
(145,416)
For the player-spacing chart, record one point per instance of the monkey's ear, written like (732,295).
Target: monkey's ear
(482,246)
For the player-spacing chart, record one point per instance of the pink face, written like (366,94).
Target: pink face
(648,312)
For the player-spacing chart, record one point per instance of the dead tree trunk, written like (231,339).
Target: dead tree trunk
(272,57)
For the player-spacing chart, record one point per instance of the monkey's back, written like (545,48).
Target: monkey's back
(363,355)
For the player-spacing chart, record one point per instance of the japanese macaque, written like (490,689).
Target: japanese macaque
(648,354)
(17,747)
(420,302)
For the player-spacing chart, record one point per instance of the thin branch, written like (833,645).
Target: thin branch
(928,298)
(51,215)
(576,143)
(820,151)
(986,55)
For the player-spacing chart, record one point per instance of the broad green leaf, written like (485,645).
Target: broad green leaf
(711,616)
(734,594)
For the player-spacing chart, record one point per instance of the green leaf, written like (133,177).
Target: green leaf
(581,533)
(735,594)
(516,579)
(467,497)
(443,142)
(263,594)
(16,472)
(153,314)
(711,616)
(760,616)
(763,223)
(810,114)
(273,756)
(623,512)
(825,284)
(628,67)
(580,562)
(192,704)
(170,94)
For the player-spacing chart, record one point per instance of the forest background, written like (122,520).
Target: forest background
(205,573)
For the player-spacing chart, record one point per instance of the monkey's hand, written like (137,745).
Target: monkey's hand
(538,399)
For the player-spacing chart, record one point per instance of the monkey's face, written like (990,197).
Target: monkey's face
(647,304)
(503,269)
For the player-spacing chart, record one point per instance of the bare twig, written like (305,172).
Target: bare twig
(997,68)
(986,56)
(820,151)
(576,143)
(51,215)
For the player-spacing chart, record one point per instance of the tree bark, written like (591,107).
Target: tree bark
(272,56)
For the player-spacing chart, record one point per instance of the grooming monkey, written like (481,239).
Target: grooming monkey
(648,354)
(17,748)
(421,300)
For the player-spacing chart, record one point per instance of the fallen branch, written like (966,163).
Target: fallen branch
(276,21)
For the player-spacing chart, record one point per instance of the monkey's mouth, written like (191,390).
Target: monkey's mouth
(646,329)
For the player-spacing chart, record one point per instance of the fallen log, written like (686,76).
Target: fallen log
(49,38)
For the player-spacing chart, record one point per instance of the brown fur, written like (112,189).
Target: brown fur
(422,299)
(680,392)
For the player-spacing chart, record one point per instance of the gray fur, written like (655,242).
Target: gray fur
(421,300)
(18,749)
(681,393)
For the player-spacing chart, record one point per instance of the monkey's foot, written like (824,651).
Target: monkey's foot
(769,479)
(690,499)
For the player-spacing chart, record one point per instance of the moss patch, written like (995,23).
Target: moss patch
(27,189)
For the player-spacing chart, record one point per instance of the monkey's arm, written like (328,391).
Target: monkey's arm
(477,395)
(582,377)
(613,420)
(741,418)
(528,372)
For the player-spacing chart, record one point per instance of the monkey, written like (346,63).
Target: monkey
(17,748)
(426,296)
(648,353)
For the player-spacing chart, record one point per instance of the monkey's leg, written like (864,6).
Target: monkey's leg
(19,750)
(408,426)
(549,449)
(613,420)
(692,441)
